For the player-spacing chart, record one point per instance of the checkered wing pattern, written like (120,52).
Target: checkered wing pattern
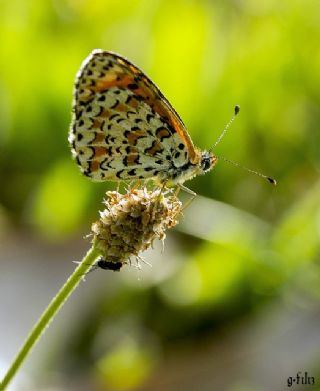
(122,126)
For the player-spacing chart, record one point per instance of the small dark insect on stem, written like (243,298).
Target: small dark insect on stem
(105,265)
(108,265)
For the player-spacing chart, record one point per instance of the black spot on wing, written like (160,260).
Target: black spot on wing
(149,117)
(133,86)
(132,172)
(113,116)
(118,174)
(115,104)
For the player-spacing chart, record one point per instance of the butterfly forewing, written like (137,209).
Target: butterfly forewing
(122,126)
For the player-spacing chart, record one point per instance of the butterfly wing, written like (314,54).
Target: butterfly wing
(122,125)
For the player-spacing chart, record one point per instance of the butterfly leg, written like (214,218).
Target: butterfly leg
(162,189)
(136,184)
(187,190)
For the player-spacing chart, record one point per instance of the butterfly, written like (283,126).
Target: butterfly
(123,128)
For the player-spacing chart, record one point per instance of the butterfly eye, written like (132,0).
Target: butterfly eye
(206,163)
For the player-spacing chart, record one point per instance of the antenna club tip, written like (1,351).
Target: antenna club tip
(272,181)
(236,109)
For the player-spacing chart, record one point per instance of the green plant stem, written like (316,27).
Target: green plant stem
(49,313)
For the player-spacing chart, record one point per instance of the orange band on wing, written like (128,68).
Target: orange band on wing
(119,72)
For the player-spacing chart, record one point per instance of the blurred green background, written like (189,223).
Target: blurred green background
(233,302)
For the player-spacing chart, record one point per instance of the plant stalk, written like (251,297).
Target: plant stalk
(49,313)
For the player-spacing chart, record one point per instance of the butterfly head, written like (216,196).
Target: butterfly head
(208,160)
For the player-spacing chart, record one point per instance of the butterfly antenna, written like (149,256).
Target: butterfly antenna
(236,112)
(269,179)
